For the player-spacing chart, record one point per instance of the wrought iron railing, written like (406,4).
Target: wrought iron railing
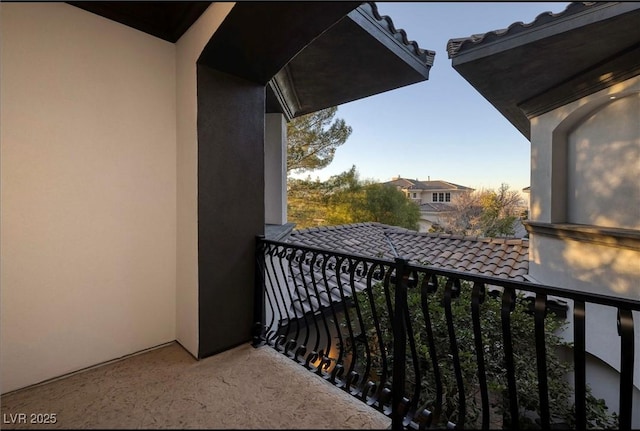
(437,348)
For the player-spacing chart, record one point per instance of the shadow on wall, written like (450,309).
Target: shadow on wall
(585,266)
(603,153)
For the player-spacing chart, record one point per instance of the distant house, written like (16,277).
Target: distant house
(580,109)
(434,197)
(527,193)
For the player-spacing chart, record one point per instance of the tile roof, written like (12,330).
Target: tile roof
(498,257)
(505,258)
(426,185)
(426,56)
(456,46)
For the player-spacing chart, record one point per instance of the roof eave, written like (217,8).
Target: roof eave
(528,70)
(360,56)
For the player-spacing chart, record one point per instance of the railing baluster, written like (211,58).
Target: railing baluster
(399,346)
(362,336)
(415,399)
(305,314)
(347,318)
(462,404)
(508,303)
(307,295)
(579,359)
(386,342)
(430,283)
(316,314)
(477,297)
(282,256)
(368,270)
(290,258)
(541,359)
(258,289)
(268,281)
(327,334)
(376,324)
(334,314)
(303,272)
(625,330)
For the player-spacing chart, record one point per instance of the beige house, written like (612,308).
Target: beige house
(580,108)
(433,197)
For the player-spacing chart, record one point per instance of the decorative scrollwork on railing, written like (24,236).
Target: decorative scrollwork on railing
(341,316)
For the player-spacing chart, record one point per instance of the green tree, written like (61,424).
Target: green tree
(373,203)
(312,140)
(306,202)
(345,198)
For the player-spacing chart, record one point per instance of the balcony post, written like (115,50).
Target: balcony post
(625,330)
(399,345)
(259,292)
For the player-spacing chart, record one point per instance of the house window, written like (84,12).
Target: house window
(415,195)
(435,197)
(441,197)
(447,197)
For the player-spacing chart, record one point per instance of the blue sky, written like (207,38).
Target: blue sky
(441,128)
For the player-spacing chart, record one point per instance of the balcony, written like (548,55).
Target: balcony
(348,341)
(440,348)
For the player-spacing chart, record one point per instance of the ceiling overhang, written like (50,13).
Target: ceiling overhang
(168,20)
(310,55)
(527,70)
(361,55)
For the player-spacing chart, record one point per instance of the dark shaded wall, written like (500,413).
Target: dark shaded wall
(230,205)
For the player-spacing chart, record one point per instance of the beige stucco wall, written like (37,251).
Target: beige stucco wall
(603,166)
(188,49)
(88,175)
(584,170)
(551,130)
(595,144)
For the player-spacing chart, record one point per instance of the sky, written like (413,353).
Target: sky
(442,128)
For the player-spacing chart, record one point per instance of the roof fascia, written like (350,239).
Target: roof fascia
(380,29)
(599,12)
(365,17)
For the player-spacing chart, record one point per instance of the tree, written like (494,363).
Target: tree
(306,205)
(312,140)
(487,213)
(344,198)
(370,202)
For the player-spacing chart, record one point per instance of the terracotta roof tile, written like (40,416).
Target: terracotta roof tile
(479,255)
(506,259)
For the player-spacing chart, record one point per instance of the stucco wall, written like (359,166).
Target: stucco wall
(88,191)
(188,49)
(584,170)
(550,134)
(603,166)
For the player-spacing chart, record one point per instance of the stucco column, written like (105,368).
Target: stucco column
(275,169)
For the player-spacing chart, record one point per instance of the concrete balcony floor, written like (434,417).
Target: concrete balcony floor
(167,388)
